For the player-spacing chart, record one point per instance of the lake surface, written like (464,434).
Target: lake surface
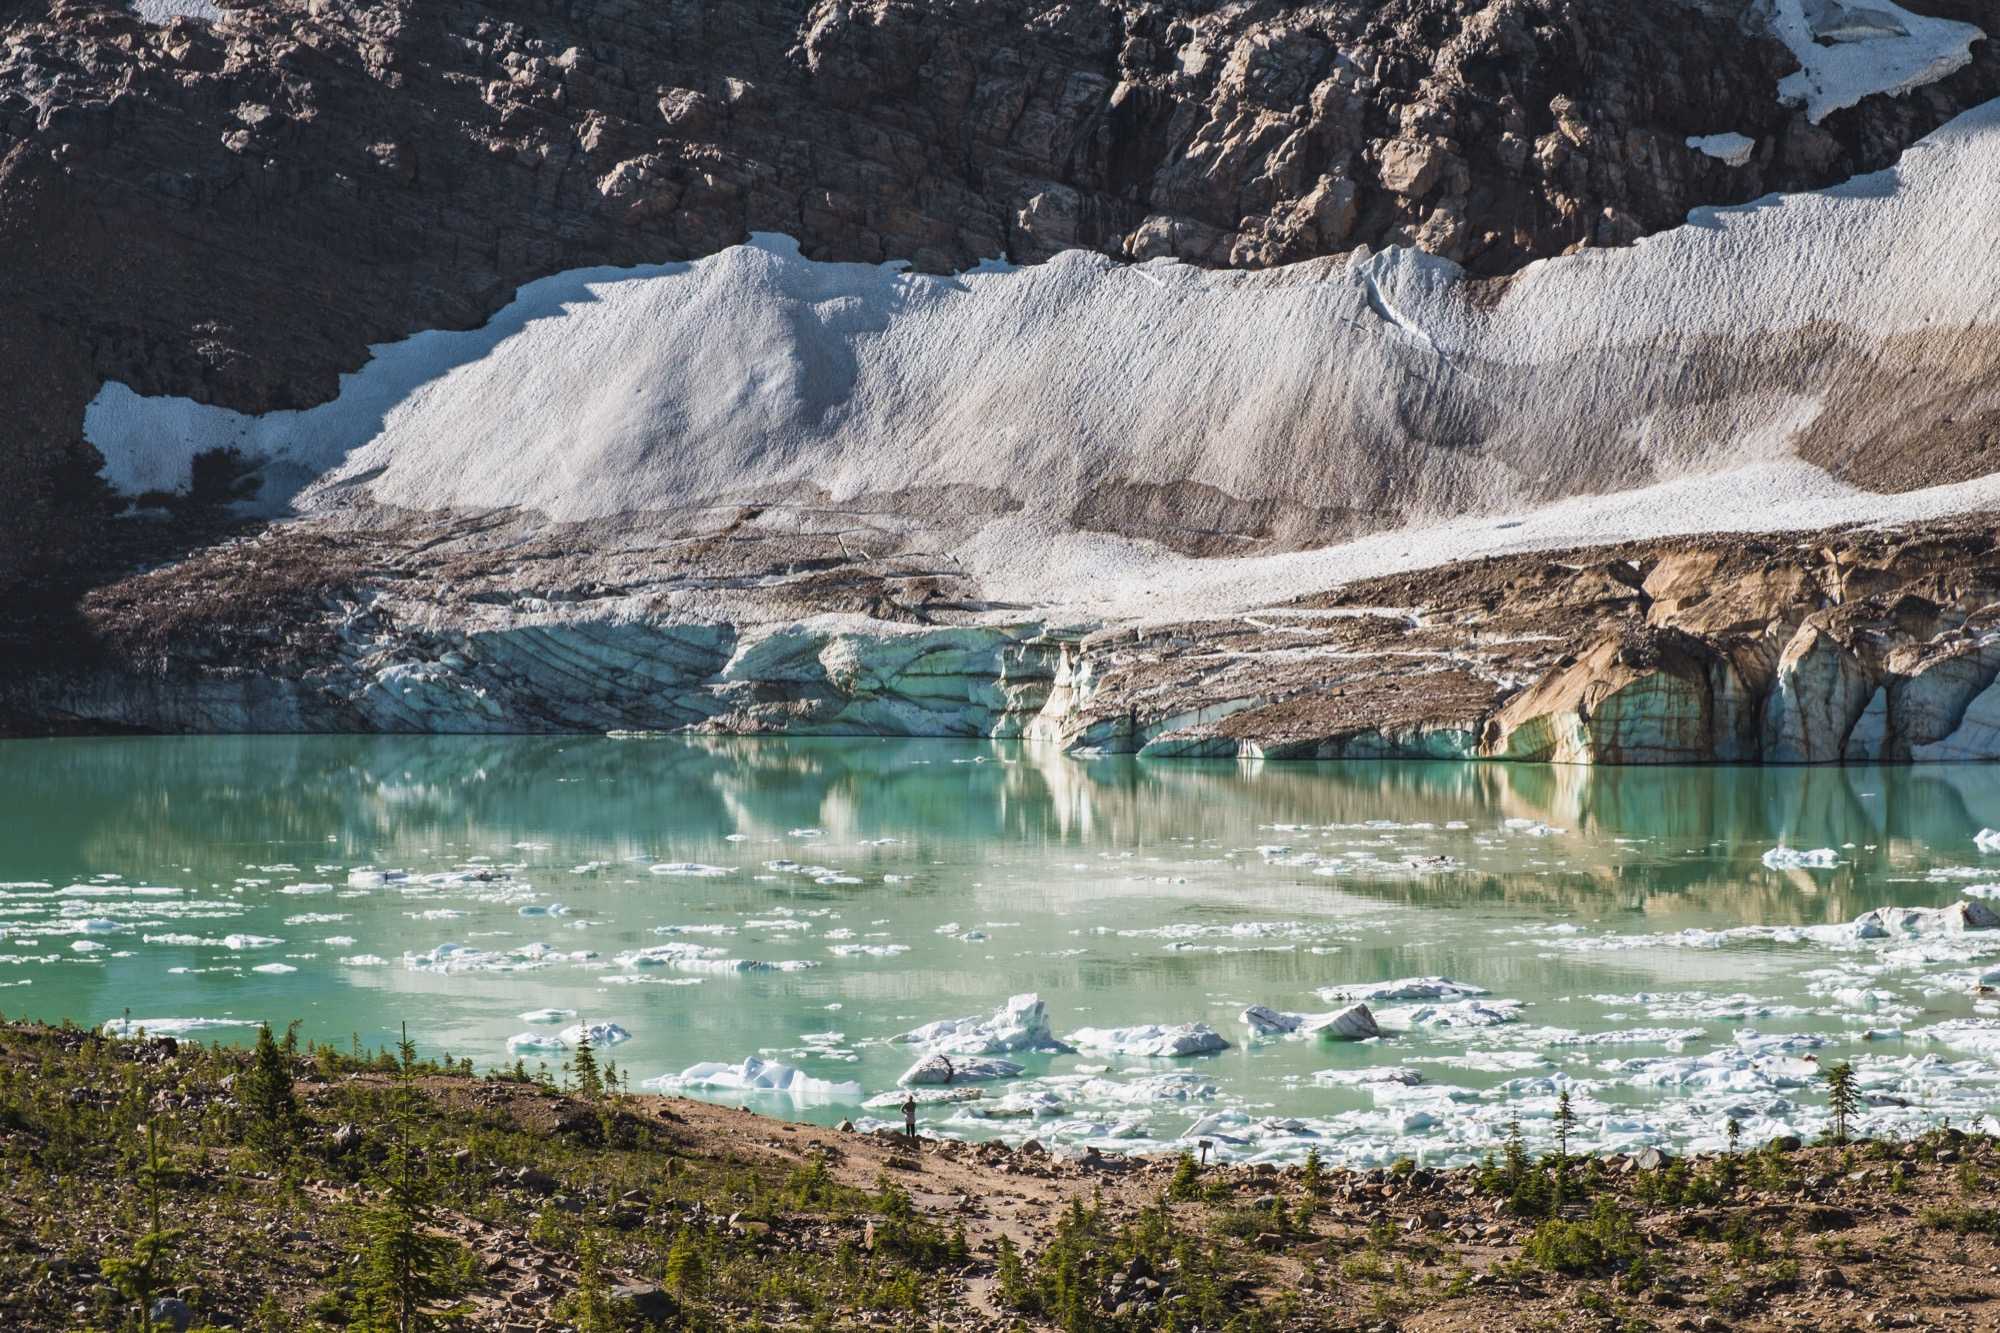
(1633,943)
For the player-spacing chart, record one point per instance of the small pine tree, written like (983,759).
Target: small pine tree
(266,1093)
(1842,1097)
(589,1308)
(1314,1175)
(1186,1181)
(142,1273)
(683,1273)
(1565,1122)
(406,1052)
(407,1266)
(1013,1275)
(583,1068)
(1734,1133)
(1515,1155)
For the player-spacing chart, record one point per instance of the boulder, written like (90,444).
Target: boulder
(644,1299)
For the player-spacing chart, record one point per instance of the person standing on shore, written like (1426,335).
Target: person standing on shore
(910,1116)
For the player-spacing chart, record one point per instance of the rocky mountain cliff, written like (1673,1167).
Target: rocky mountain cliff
(210,215)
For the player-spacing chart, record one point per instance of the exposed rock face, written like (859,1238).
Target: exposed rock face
(1871,645)
(234,211)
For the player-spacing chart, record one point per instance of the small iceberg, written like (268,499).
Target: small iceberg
(1883,923)
(1791,858)
(169,1027)
(1354,1023)
(600,1034)
(755,1075)
(1151,1040)
(1021,1024)
(690,869)
(942,1068)
(1404,988)
(548,1016)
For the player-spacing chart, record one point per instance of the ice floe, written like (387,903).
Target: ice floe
(169,1027)
(756,1075)
(1020,1024)
(1354,1023)
(1406,988)
(941,1068)
(1151,1040)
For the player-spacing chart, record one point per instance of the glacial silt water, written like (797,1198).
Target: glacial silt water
(1677,948)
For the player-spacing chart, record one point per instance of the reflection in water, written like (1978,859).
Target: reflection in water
(1121,890)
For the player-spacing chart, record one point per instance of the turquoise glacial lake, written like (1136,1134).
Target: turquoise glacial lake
(1675,947)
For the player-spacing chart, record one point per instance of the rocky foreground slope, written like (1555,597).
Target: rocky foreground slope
(550,1211)
(1081,485)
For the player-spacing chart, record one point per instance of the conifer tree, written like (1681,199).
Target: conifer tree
(266,1093)
(144,1272)
(583,1067)
(406,1265)
(1842,1097)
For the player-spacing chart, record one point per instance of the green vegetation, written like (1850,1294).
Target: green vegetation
(1843,1098)
(1146,1273)
(1606,1240)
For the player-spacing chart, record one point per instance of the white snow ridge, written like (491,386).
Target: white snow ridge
(756,372)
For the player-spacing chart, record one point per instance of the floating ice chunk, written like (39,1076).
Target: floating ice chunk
(756,1075)
(1534,828)
(373,879)
(930,1096)
(528,1043)
(726,965)
(662,955)
(940,1068)
(1031,1104)
(1791,858)
(1375,1076)
(1978,1035)
(1354,1023)
(691,869)
(1263,1021)
(86,946)
(241,942)
(169,1027)
(1455,1014)
(867,950)
(1731,149)
(1407,988)
(453,959)
(1889,922)
(1021,1024)
(600,1034)
(306,890)
(1987,840)
(274,969)
(546,1016)
(1173,1087)
(364,960)
(1152,1040)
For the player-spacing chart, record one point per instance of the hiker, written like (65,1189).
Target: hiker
(910,1116)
